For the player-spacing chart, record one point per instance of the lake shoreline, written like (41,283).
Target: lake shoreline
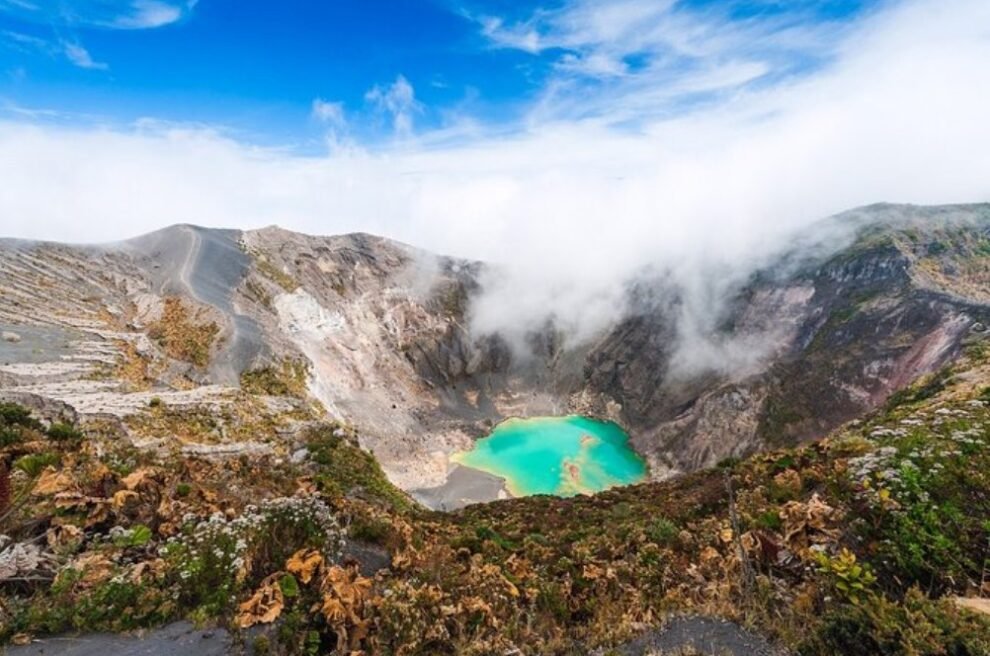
(561,456)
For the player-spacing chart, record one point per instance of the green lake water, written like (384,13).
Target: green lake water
(562,456)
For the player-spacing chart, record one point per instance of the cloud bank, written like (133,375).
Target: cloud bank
(570,206)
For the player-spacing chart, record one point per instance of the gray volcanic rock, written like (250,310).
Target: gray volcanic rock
(836,332)
(463,487)
(709,636)
(178,639)
(859,307)
(207,265)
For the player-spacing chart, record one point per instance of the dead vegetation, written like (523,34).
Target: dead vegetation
(858,544)
(285,378)
(184,333)
(236,417)
(133,368)
(273,273)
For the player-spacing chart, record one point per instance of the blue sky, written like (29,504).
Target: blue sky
(256,67)
(574,142)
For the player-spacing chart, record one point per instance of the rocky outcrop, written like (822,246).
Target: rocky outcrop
(822,334)
(831,339)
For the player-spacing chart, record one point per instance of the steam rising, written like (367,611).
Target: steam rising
(571,210)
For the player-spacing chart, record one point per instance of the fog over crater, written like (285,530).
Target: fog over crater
(568,210)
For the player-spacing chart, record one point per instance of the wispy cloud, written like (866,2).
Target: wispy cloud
(330,115)
(329,112)
(19,4)
(658,53)
(112,14)
(397,100)
(73,51)
(24,42)
(146,14)
(35,114)
(80,57)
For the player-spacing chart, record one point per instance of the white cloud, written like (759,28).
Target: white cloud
(331,113)
(520,37)
(331,116)
(25,42)
(122,14)
(399,101)
(622,48)
(145,14)
(20,4)
(570,207)
(595,64)
(73,51)
(80,57)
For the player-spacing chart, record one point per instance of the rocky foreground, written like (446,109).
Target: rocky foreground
(875,540)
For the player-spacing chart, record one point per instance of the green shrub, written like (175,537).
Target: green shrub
(207,561)
(345,469)
(117,604)
(488,534)
(933,538)
(769,520)
(136,536)
(783,463)
(918,626)
(10,437)
(289,586)
(261,646)
(621,510)
(662,531)
(35,463)
(552,600)
(851,579)
(370,529)
(12,414)
(62,432)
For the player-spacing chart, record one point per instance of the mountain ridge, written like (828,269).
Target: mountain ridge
(818,442)
(384,332)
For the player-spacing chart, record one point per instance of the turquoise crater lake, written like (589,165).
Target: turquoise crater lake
(562,456)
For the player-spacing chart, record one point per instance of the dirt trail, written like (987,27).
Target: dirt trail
(179,639)
(706,635)
(209,265)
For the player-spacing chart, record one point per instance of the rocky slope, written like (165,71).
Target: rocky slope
(833,335)
(210,426)
(378,334)
(873,541)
